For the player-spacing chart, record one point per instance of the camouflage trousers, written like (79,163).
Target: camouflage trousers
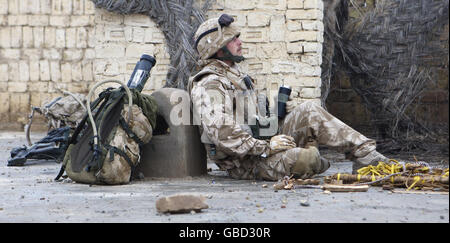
(308,124)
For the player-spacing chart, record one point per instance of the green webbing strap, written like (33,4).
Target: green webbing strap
(130,133)
(119,152)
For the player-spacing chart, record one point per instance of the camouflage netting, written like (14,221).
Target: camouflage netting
(387,52)
(178,20)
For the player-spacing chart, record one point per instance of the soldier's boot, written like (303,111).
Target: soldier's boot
(372,158)
(308,163)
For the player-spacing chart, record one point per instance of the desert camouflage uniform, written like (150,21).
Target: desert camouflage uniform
(239,153)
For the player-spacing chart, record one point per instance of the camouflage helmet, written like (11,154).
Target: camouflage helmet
(213,34)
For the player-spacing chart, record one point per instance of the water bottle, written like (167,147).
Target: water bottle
(283,97)
(141,72)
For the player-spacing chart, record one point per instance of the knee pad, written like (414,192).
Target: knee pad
(307,163)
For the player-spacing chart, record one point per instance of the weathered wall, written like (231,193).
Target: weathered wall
(282,41)
(51,45)
(45,45)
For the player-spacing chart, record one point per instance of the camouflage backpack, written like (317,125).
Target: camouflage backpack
(111,156)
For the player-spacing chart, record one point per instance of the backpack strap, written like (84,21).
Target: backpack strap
(130,132)
(114,149)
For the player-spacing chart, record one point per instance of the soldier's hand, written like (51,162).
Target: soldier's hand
(280,143)
(292,103)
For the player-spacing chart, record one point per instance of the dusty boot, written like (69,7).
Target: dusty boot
(325,164)
(308,163)
(371,158)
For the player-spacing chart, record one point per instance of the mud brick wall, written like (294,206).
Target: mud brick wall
(51,45)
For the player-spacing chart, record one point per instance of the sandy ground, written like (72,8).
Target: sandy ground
(29,194)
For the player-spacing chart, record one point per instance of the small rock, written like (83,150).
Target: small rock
(181,204)
(304,203)
(326,192)
(264,186)
(260,210)
(283,206)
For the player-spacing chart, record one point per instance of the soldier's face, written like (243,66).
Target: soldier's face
(234,46)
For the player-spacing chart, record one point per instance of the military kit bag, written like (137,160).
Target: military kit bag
(106,149)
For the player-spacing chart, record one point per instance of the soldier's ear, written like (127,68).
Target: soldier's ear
(219,53)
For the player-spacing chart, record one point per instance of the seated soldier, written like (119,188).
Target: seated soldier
(294,151)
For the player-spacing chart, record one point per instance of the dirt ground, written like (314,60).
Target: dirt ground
(29,194)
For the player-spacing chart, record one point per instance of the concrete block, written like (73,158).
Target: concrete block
(303,36)
(38,34)
(80,20)
(66,72)
(239,4)
(60,38)
(10,53)
(71,37)
(49,37)
(66,7)
(34,70)
(258,19)
(277,28)
(46,6)
(16,36)
(139,20)
(4,102)
(310,93)
(5,37)
(181,204)
(44,70)
(254,35)
(17,20)
(153,36)
(308,14)
(294,25)
(55,71)
(81,41)
(13,6)
(89,7)
(52,54)
(24,71)
(76,72)
(3,6)
(78,7)
(27,36)
(59,20)
(294,4)
(272,4)
(175,150)
(87,71)
(13,70)
(38,20)
(3,72)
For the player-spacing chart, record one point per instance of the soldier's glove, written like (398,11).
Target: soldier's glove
(280,143)
(292,103)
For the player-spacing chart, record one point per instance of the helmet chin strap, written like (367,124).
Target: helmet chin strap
(228,56)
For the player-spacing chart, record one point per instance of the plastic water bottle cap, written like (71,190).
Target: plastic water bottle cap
(149,58)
